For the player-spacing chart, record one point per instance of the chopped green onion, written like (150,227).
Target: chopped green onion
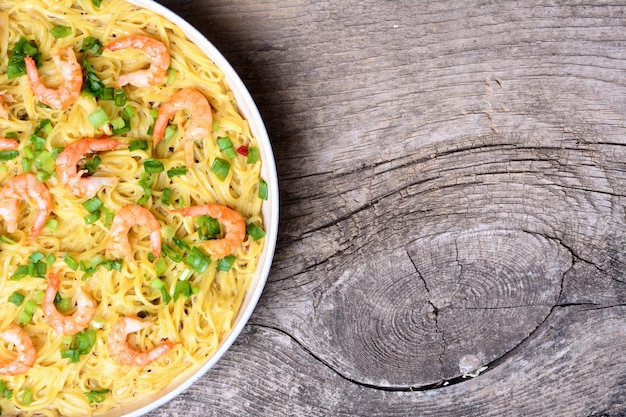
(118,123)
(255,231)
(120,97)
(8,155)
(44,126)
(226,146)
(80,344)
(49,260)
(27,396)
(96,395)
(141,145)
(160,266)
(26,315)
(91,165)
(208,227)
(226,263)
(108,217)
(166,196)
(8,240)
(181,243)
(92,44)
(44,161)
(38,296)
(220,168)
(165,295)
(175,172)
(157,283)
(182,287)
(198,260)
(263,189)
(171,75)
(128,113)
(153,166)
(51,225)
(61,304)
(41,176)
(96,3)
(98,118)
(28,152)
(186,274)
(40,269)
(96,260)
(170,131)
(23,271)
(38,143)
(167,231)
(253,155)
(112,264)
(93,217)
(60,31)
(70,354)
(16,298)
(93,204)
(92,85)
(11,135)
(22,48)
(171,253)
(4,391)
(36,256)
(70,262)
(56,151)
(107,93)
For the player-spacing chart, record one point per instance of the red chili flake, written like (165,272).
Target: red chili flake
(242,150)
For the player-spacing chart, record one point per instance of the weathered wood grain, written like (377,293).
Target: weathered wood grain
(452,183)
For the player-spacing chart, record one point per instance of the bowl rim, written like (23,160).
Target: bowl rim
(270,213)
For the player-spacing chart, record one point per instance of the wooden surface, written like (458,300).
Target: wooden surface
(453,183)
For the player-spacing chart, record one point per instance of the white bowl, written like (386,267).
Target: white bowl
(270,219)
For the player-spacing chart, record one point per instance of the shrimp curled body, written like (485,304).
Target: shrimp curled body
(157,53)
(199,126)
(129,216)
(25,186)
(8,144)
(68,160)
(71,324)
(233,223)
(25,351)
(123,353)
(69,91)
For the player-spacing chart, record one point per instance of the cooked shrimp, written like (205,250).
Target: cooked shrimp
(25,186)
(69,91)
(130,215)
(199,126)
(5,99)
(123,353)
(67,161)
(25,351)
(158,55)
(234,227)
(71,324)
(8,144)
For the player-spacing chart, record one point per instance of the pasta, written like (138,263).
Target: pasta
(174,199)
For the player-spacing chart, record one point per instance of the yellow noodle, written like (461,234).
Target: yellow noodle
(199,322)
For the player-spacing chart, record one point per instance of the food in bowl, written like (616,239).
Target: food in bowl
(131,206)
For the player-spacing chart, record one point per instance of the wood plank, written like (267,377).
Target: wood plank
(452,179)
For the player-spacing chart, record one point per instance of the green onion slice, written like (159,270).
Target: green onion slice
(198,260)
(220,168)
